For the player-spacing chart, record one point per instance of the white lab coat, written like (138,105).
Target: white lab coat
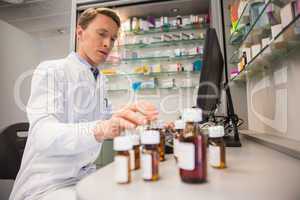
(63,108)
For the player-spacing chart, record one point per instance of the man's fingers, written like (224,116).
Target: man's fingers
(133,117)
(144,108)
(124,124)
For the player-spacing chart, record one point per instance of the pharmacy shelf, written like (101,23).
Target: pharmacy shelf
(161,44)
(170,73)
(236,34)
(168,29)
(246,33)
(286,41)
(156,59)
(155,88)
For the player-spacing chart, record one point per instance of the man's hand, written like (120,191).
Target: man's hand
(129,117)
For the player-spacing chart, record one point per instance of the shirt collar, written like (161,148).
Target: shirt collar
(81,60)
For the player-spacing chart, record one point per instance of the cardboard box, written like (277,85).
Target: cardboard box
(275,31)
(255,49)
(264,43)
(286,14)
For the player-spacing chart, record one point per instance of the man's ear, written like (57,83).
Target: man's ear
(79,31)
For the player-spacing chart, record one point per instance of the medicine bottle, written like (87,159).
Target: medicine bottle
(192,160)
(162,143)
(179,127)
(150,155)
(159,126)
(135,157)
(216,147)
(122,145)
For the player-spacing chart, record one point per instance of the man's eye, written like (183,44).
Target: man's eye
(102,34)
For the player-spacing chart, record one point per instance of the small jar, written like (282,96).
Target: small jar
(216,147)
(150,155)
(122,146)
(192,159)
(135,157)
(179,127)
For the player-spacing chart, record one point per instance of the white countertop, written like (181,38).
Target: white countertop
(254,172)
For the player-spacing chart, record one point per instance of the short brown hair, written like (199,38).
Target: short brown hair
(89,14)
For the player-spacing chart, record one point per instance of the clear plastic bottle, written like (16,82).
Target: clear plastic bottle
(179,127)
(216,147)
(135,157)
(150,155)
(122,146)
(192,160)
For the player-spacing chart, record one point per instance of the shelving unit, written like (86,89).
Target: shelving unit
(271,52)
(155,74)
(286,41)
(149,49)
(156,88)
(168,29)
(244,36)
(161,44)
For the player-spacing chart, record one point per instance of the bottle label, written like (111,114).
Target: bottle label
(147,166)
(175,147)
(214,155)
(132,159)
(121,169)
(186,155)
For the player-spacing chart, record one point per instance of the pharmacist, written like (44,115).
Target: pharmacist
(70,115)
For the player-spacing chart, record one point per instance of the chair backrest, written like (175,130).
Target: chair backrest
(11,149)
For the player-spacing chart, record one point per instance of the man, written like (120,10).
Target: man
(70,115)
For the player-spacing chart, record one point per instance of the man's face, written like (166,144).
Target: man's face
(97,40)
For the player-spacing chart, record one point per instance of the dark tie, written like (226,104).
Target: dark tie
(95,72)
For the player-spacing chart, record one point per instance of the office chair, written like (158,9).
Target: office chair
(11,149)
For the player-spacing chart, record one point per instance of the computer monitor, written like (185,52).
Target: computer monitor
(211,75)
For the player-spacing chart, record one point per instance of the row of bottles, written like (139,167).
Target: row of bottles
(129,156)
(190,150)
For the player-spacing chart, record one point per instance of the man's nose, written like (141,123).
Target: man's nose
(107,43)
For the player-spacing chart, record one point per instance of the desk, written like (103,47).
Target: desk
(254,172)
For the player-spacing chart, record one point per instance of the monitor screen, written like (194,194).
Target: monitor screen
(211,75)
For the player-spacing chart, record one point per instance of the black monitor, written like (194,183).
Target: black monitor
(211,75)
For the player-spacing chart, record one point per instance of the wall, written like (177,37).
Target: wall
(274,98)
(54,47)
(18,54)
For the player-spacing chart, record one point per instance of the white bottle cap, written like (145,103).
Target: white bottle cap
(150,137)
(122,143)
(216,131)
(192,115)
(135,139)
(179,124)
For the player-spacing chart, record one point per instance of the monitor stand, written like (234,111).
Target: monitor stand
(232,120)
